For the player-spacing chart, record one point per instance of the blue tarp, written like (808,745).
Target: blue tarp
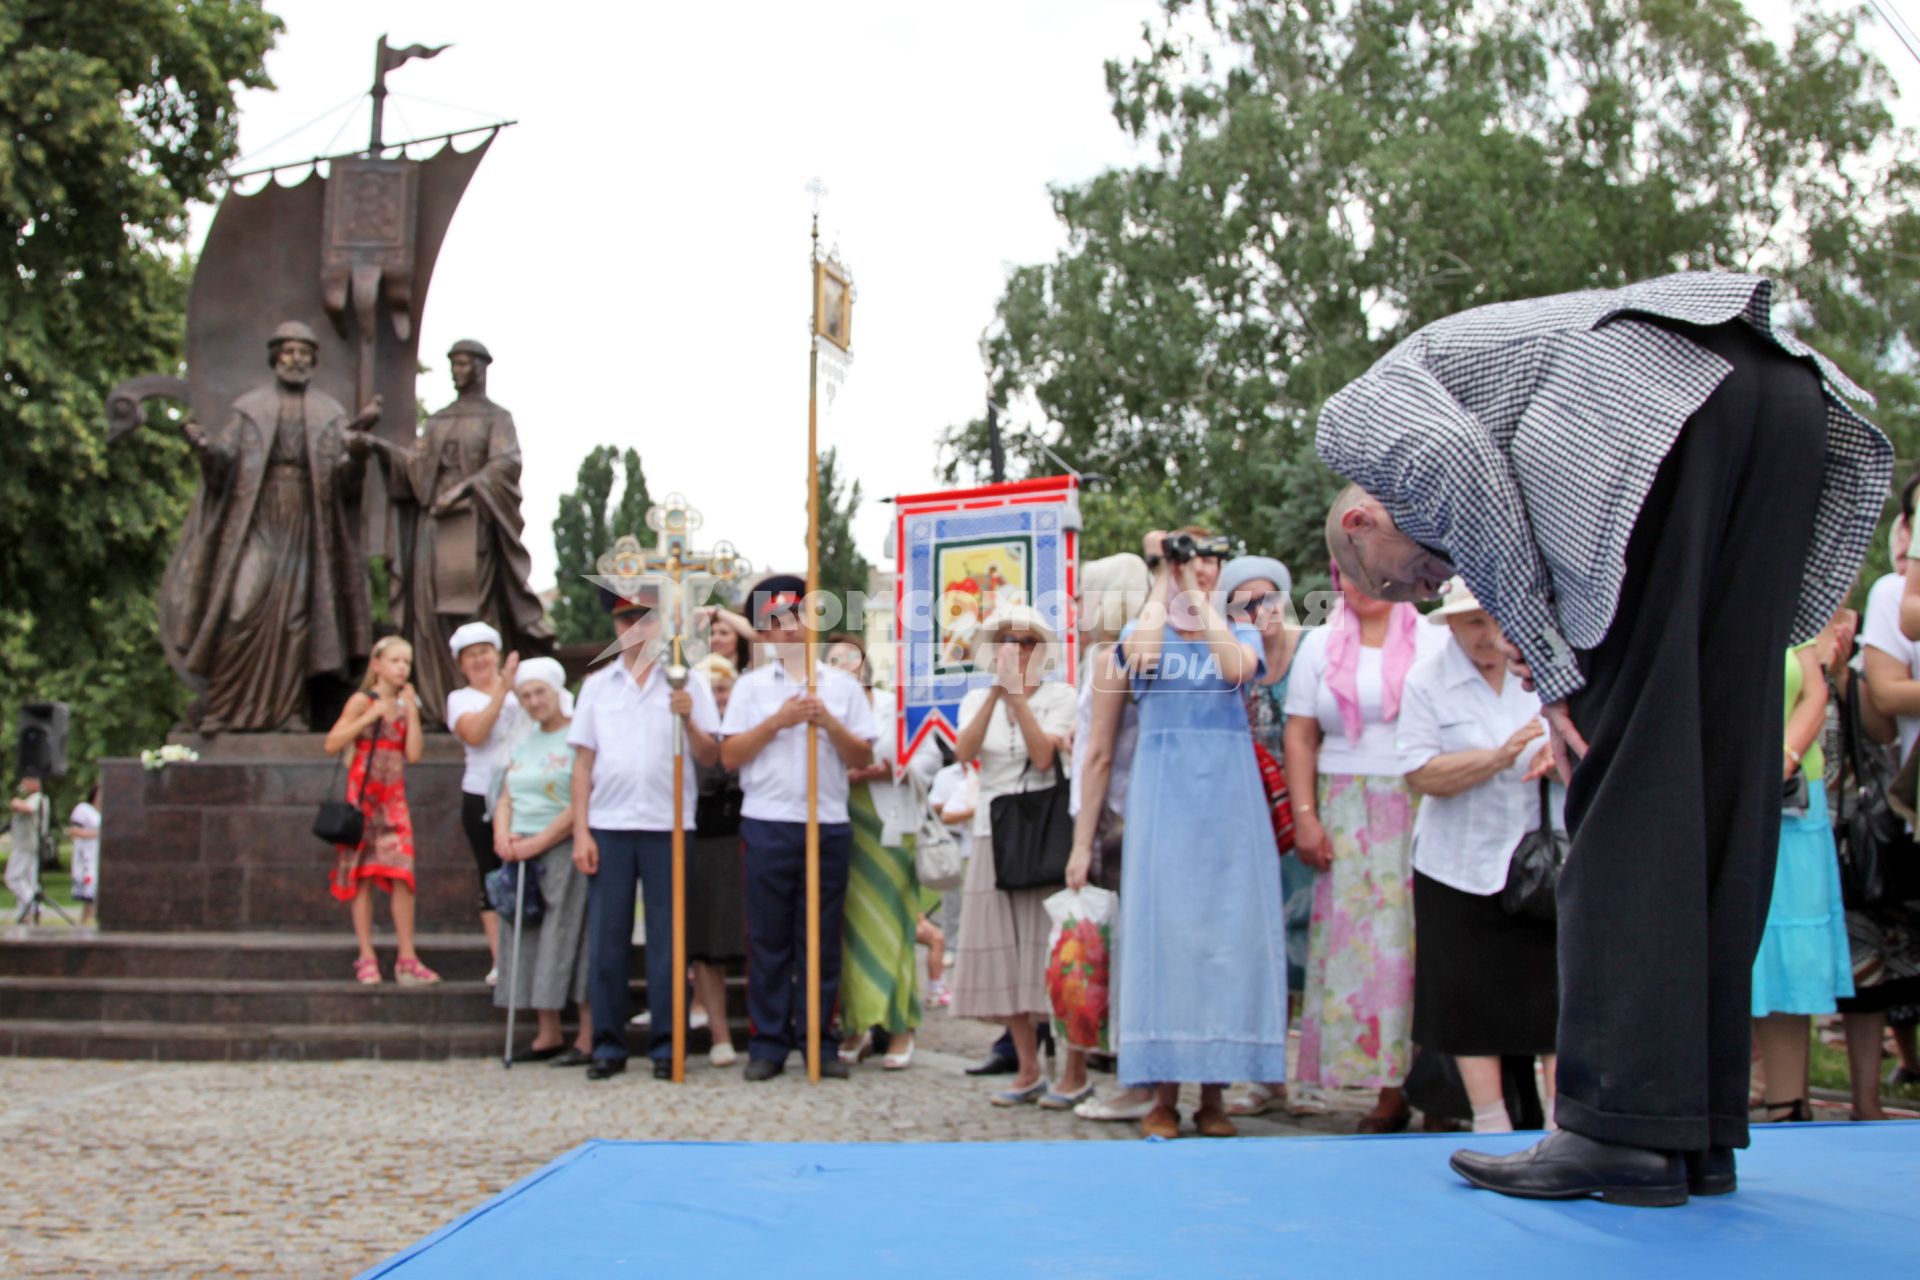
(1814,1200)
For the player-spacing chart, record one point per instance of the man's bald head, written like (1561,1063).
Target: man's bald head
(1374,556)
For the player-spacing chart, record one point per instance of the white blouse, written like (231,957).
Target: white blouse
(1466,841)
(1003,753)
(1375,754)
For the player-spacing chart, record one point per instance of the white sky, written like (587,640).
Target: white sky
(634,252)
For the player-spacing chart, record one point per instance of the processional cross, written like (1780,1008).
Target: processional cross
(676,572)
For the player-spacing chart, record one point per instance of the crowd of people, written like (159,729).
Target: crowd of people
(1281,812)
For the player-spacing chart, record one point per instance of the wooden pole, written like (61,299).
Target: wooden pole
(814,1012)
(717,1020)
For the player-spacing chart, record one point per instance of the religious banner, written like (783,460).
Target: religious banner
(963,556)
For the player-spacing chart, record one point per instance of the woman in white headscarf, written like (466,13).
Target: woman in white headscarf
(485,717)
(533,823)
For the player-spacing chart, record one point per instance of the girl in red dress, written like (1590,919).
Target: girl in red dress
(382,722)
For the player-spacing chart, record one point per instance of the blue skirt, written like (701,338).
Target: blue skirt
(1804,963)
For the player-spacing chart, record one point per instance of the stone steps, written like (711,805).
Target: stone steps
(239,996)
(245,1042)
(287,956)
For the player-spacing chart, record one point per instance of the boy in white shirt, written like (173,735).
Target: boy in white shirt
(764,737)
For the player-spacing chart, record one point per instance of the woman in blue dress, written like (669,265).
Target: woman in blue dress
(1204,964)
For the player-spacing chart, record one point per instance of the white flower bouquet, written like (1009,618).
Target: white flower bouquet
(172,753)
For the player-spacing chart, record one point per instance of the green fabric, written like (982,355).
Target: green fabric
(1814,763)
(540,780)
(879,976)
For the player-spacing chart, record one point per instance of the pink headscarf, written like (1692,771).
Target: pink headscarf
(1343,661)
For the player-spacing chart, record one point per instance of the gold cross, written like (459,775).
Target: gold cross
(673,567)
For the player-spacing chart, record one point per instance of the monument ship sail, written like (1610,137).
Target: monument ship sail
(346,248)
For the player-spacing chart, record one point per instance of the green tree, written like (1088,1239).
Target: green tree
(1332,174)
(842,568)
(584,530)
(114,115)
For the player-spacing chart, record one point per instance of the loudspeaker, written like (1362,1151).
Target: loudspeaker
(40,749)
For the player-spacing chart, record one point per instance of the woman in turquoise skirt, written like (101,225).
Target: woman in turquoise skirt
(1204,967)
(1804,963)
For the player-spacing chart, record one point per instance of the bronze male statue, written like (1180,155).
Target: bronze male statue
(458,554)
(267,588)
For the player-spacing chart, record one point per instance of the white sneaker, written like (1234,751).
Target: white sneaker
(493,976)
(722,1055)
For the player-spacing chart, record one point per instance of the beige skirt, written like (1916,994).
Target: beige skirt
(1003,945)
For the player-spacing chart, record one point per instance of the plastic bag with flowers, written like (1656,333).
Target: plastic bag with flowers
(1079,955)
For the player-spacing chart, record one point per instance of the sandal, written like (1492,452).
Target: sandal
(901,1061)
(1257,1101)
(1021,1097)
(409,972)
(856,1051)
(1057,1101)
(1212,1122)
(366,971)
(1795,1111)
(1112,1109)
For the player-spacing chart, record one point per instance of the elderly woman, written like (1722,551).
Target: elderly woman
(1258,590)
(1486,983)
(879,969)
(533,823)
(1112,591)
(1353,825)
(1014,729)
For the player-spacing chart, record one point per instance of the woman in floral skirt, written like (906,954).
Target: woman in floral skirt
(1343,702)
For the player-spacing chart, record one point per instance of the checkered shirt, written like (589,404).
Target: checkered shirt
(1521,439)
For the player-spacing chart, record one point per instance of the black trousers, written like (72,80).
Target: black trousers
(479,833)
(1675,811)
(776,856)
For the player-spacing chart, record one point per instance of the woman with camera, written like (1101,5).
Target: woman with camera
(1487,982)
(1015,730)
(1204,963)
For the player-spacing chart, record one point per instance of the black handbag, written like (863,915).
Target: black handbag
(1033,835)
(1533,875)
(1873,836)
(340,823)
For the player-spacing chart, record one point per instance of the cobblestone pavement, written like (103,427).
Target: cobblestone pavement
(131,1170)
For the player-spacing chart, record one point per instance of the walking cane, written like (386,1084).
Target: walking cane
(513,972)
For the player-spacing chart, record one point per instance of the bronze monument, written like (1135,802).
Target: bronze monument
(458,555)
(267,588)
(264,608)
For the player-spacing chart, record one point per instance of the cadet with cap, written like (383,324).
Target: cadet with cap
(765,738)
(623,810)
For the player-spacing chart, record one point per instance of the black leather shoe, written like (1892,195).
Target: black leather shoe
(663,1071)
(995,1064)
(606,1068)
(531,1054)
(762,1069)
(572,1058)
(1710,1172)
(833,1069)
(1566,1166)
